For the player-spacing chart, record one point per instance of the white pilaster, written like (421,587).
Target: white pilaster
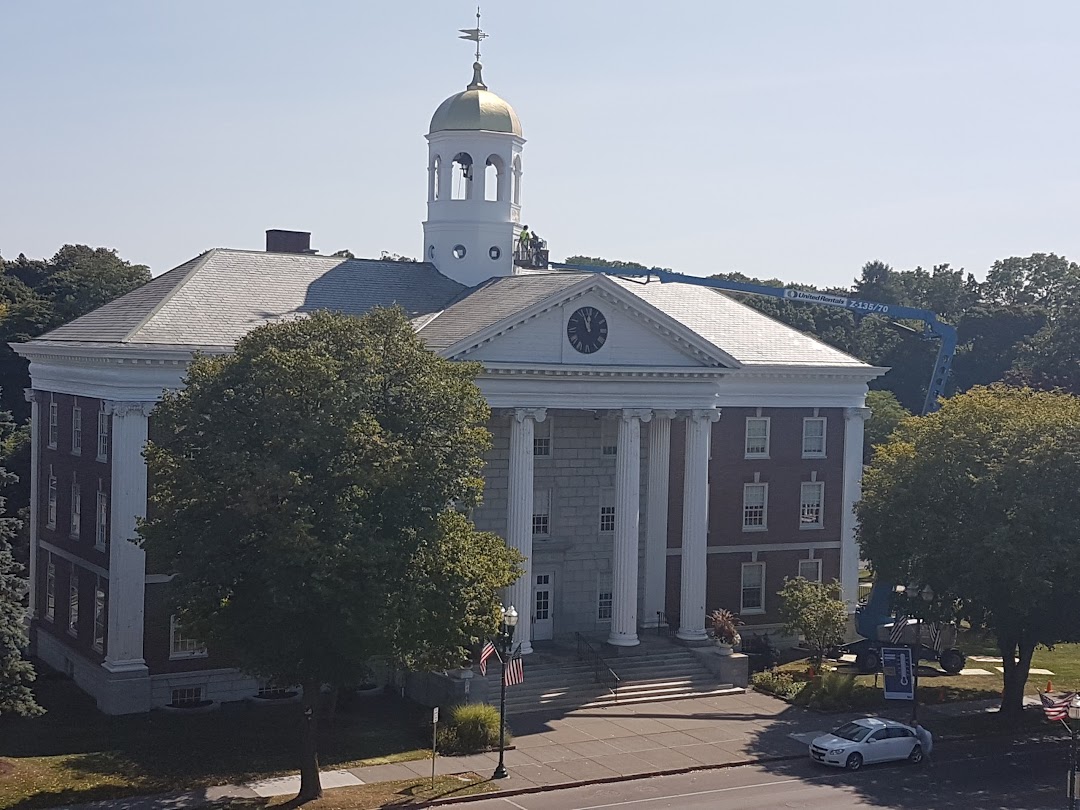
(35,490)
(854,425)
(624,596)
(127,562)
(519,514)
(695,525)
(656,517)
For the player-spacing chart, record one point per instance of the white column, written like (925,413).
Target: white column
(127,562)
(624,591)
(519,512)
(35,492)
(695,525)
(854,424)
(656,517)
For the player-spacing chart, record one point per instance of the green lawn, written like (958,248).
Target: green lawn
(75,754)
(935,686)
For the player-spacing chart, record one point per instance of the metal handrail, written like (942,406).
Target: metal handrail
(602,673)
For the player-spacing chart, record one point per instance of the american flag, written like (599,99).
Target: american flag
(1056,708)
(485,654)
(934,630)
(897,632)
(515,671)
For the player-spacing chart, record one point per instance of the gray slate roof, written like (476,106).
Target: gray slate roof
(216,298)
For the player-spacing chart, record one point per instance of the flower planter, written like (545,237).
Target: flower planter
(284,699)
(724,649)
(202,707)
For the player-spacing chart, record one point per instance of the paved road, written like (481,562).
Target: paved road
(965,776)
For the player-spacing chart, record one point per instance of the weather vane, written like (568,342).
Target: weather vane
(474,34)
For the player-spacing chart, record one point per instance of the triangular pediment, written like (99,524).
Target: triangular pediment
(531,320)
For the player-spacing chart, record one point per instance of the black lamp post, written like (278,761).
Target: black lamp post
(1074,715)
(504,644)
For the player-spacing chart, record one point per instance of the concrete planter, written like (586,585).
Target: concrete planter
(203,707)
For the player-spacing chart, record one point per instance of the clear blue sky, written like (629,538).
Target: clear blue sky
(781,139)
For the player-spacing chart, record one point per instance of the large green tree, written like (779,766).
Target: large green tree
(885,414)
(310,492)
(978,502)
(815,611)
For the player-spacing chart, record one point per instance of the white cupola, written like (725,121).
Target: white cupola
(474,185)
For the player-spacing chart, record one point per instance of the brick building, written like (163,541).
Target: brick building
(660,450)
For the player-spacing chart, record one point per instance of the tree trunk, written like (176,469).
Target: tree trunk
(310,784)
(1016,652)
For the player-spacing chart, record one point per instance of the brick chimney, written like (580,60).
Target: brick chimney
(279,241)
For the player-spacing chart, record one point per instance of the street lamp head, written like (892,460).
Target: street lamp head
(899,588)
(927,593)
(510,616)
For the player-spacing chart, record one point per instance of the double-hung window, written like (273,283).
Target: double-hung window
(542,438)
(99,616)
(73,601)
(50,517)
(181,646)
(753,588)
(810,569)
(101,528)
(50,590)
(76,430)
(103,434)
(813,437)
(54,421)
(755,507)
(757,437)
(76,505)
(609,437)
(604,600)
(541,518)
(812,505)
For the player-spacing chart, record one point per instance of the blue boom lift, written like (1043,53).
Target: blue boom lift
(874,620)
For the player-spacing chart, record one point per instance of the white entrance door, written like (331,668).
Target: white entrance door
(543,599)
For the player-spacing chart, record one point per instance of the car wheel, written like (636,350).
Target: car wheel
(854,762)
(915,757)
(952,661)
(867,662)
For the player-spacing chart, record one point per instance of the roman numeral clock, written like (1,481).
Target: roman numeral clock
(587,330)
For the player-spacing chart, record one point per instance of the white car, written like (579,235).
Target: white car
(869,739)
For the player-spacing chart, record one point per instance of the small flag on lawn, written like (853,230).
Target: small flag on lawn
(897,632)
(1056,708)
(515,671)
(485,654)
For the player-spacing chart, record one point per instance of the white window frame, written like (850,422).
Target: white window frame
(541,516)
(54,422)
(76,429)
(804,503)
(73,602)
(189,695)
(50,516)
(76,506)
(99,617)
(542,434)
(50,589)
(607,519)
(743,609)
(189,647)
(103,434)
(747,452)
(753,527)
(605,599)
(824,433)
(609,437)
(101,519)
(817,569)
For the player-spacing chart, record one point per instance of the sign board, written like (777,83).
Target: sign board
(897,669)
(435,715)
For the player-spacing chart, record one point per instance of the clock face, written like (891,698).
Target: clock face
(587,329)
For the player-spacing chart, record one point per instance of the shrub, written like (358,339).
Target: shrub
(470,729)
(833,691)
(777,683)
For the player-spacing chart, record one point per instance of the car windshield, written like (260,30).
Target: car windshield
(852,731)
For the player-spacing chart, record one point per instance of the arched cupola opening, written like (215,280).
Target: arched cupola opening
(434,179)
(461,177)
(496,181)
(515,194)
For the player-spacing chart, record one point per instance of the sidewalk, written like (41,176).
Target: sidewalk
(581,746)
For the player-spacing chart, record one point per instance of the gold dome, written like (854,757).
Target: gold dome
(475,108)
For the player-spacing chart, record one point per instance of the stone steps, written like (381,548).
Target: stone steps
(559,681)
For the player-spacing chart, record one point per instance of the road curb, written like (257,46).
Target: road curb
(606,780)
